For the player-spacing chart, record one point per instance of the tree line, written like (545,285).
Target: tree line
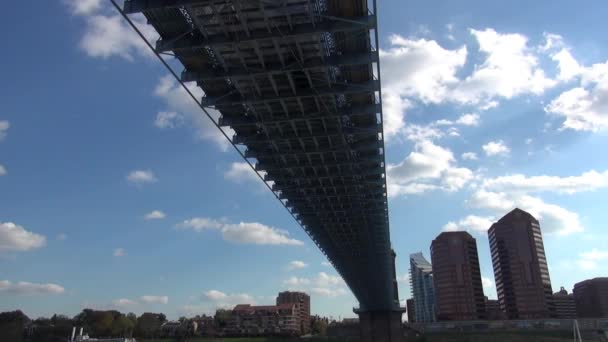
(16,326)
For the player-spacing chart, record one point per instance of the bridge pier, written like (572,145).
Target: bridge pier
(381,326)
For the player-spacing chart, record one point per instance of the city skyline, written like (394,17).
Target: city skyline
(108,174)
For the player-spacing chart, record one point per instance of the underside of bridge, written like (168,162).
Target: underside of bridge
(297,81)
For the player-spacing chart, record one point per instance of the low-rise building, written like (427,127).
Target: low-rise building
(565,306)
(247,320)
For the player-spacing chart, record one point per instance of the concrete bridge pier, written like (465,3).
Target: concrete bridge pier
(381,326)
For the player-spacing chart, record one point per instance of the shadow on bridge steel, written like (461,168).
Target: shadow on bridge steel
(298,82)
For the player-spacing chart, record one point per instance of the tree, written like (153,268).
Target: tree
(148,324)
(12,325)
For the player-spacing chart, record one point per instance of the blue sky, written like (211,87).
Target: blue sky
(115,192)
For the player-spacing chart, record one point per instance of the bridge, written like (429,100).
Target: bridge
(298,82)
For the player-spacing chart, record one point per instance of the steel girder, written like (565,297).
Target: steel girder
(295,80)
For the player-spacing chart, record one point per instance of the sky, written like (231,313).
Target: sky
(117,193)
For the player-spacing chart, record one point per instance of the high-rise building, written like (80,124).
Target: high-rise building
(302,303)
(421,281)
(591,298)
(522,278)
(457,278)
(410,310)
(564,304)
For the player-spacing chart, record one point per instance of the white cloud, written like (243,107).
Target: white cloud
(324,279)
(141,177)
(469,119)
(494,148)
(123,303)
(201,223)
(326,263)
(420,68)
(27,288)
(497,201)
(327,292)
(587,181)
(227,301)
(297,264)
(553,218)
(487,282)
(15,238)
(322,284)
(589,260)
(470,223)
(4,126)
(295,281)
(62,237)
(177,100)
(155,215)
(585,106)
(2,170)
(469,156)
(394,108)
(404,278)
(83,7)
(257,233)
(241,172)
(583,109)
(119,252)
(109,36)
(509,69)
(168,120)
(154,299)
(243,232)
(426,163)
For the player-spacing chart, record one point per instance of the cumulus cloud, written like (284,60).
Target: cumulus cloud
(590,260)
(295,281)
(587,181)
(469,156)
(177,100)
(495,148)
(140,177)
(154,299)
(123,303)
(15,238)
(4,126)
(241,172)
(510,69)
(108,36)
(119,252)
(155,215)
(470,223)
(83,7)
(221,300)
(323,284)
(553,218)
(27,288)
(2,170)
(296,264)
(327,292)
(583,107)
(166,120)
(423,70)
(428,162)
(243,232)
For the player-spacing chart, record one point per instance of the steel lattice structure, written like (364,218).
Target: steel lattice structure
(295,81)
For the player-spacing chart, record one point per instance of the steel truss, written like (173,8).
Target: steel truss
(296,81)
